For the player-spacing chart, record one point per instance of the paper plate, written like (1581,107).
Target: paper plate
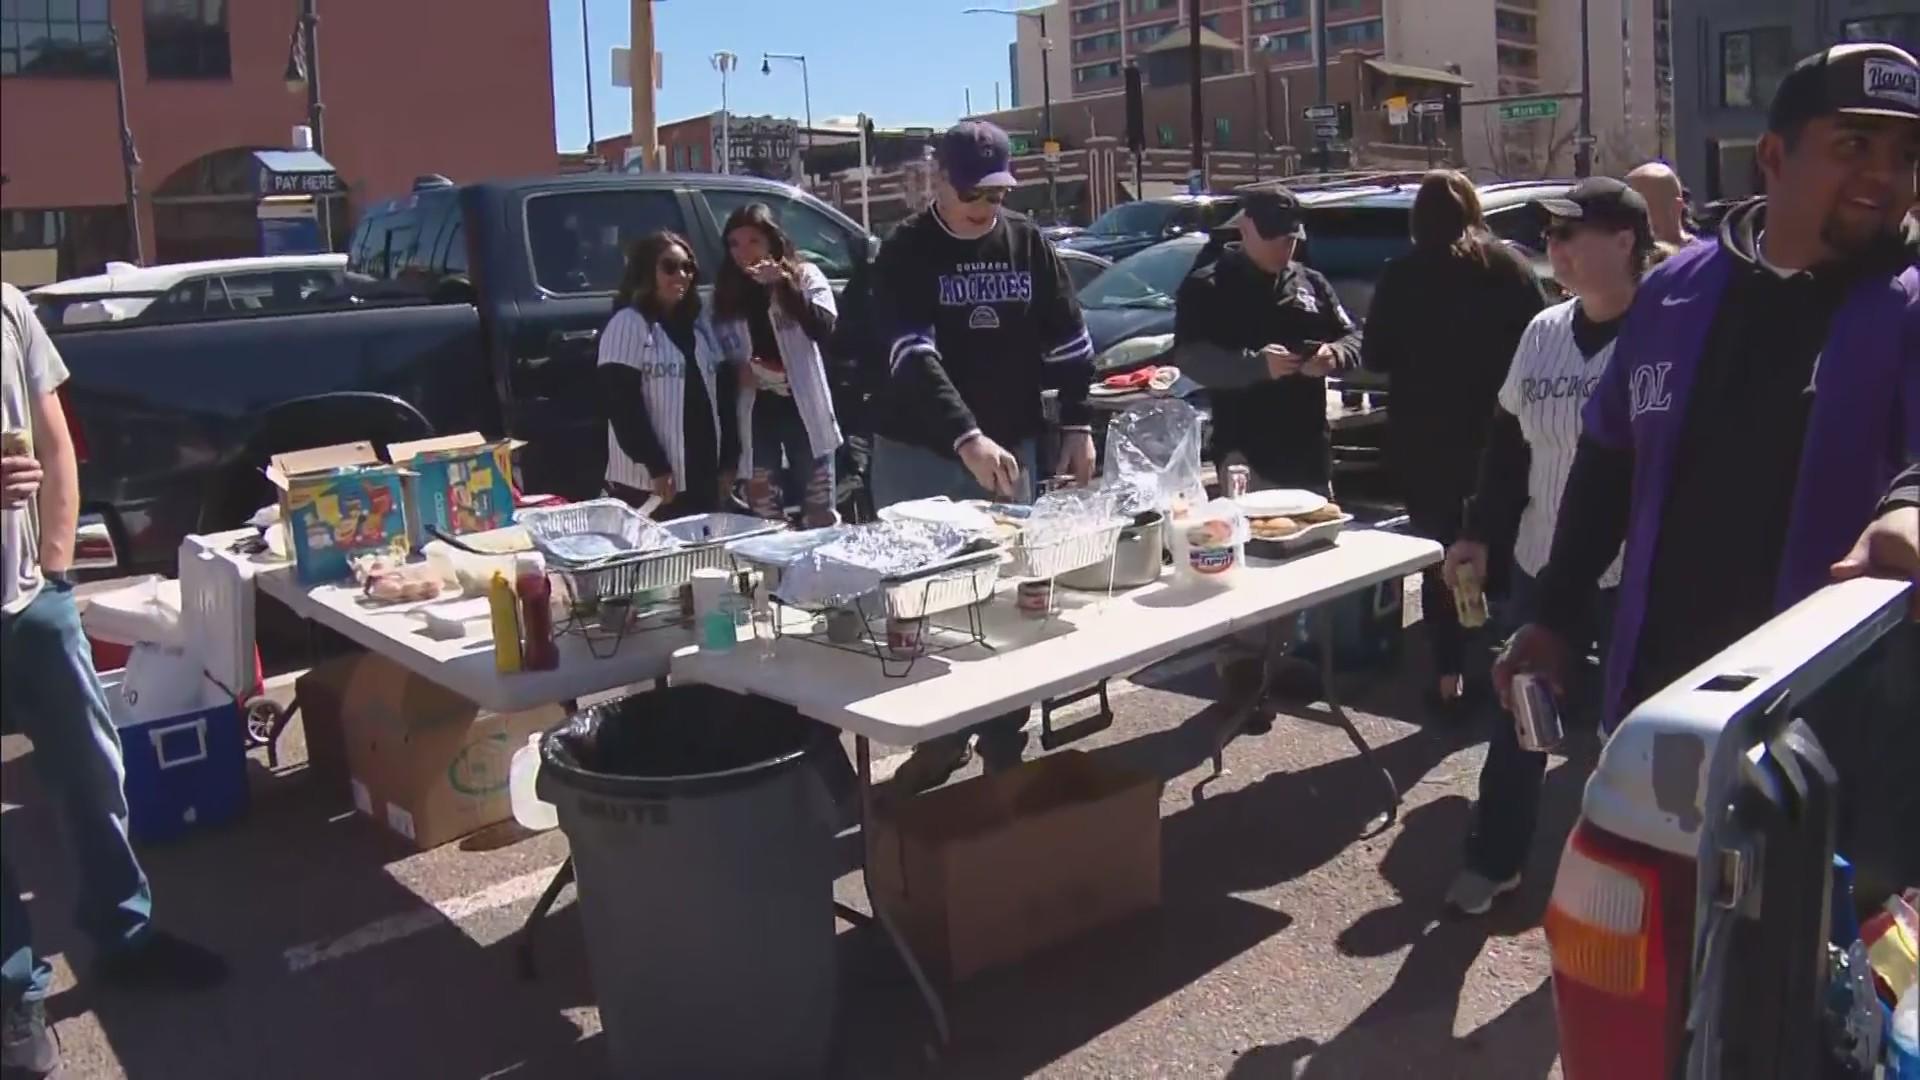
(1276,502)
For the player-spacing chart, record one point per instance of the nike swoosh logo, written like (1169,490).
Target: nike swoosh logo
(1675,301)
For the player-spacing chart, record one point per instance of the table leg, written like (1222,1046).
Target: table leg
(1237,720)
(1330,693)
(524,954)
(863,759)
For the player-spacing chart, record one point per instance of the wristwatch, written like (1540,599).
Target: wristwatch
(57,577)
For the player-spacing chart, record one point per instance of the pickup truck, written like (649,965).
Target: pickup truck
(1693,904)
(477,306)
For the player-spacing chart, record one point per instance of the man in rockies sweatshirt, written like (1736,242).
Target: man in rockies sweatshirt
(979,318)
(1762,408)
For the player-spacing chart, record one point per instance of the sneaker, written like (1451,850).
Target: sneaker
(29,1049)
(928,767)
(1473,894)
(160,960)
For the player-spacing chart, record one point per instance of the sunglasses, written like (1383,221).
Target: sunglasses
(1562,231)
(678,267)
(995,195)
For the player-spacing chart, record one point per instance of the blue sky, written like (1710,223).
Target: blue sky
(902,61)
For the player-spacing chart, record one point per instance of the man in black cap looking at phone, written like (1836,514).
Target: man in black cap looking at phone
(1262,332)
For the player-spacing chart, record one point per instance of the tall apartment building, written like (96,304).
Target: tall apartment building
(1505,48)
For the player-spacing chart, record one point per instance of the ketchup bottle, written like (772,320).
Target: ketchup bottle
(538,651)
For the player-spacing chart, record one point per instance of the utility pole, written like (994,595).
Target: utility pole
(1046,113)
(129,157)
(1321,150)
(865,221)
(1198,165)
(725,62)
(1583,154)
(645,137)
(586,67)
(303,67)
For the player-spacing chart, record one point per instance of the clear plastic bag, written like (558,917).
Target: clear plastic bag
(1153,457)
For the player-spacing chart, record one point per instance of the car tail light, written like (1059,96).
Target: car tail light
(1620,929)
(73,426)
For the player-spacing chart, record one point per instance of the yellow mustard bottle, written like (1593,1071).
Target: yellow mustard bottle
(506,624)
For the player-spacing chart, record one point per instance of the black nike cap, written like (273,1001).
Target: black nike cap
(1274,211)
(1604,201)
(1861,79)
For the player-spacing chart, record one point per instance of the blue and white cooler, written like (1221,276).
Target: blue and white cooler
(186,758)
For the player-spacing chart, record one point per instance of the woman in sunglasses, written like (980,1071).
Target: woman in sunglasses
(771,311)
(1600,242)
(669,402)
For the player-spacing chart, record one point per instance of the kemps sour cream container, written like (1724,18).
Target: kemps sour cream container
(1213,540)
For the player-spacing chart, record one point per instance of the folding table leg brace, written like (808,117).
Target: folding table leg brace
(1329,692)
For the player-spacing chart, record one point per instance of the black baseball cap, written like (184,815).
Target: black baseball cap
(1862,79)
(976,154)
(1274,211)
(1604,201)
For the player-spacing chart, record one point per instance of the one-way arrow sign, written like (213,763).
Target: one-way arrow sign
(1321,112)
(1429,107)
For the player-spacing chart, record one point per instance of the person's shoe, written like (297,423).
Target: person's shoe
(927,768)
(160,960)
(1473,894)
(29,1049)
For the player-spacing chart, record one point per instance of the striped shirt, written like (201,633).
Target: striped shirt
(1546,388)
(631,340)
(806,370)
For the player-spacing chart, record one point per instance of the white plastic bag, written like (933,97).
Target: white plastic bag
(161,681)
(1153,457)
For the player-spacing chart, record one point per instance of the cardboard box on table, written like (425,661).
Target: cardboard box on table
(982,873)
(459,484)
(424,761)
(339,502)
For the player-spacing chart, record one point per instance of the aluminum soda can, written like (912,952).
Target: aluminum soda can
(1536,715)
(16,442)
(1469,598)
(1237,478)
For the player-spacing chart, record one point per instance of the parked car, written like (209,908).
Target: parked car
(1134,226)
(477,306)
(192,291)
(1690,914)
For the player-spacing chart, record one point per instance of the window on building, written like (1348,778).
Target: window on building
(1517,61)
(1901,30)
(1283,9)
(1360,33)
(1099,13)
(1298,41)
(187,39)
(1164,133)
(1513,23)
(54,37)
(1148,7)
(697,157)
(1335,7)
(1097,43)
(1211,22)
(1752,63)
(1222,132)
(1097,72)
(1147,35)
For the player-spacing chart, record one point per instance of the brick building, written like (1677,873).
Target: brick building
(408,91)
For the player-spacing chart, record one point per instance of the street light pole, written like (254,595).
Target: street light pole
(1583,154)
(1198,111)
(806,93)
(724,62)
(586,67)
(303,68)
(129,157)
(1046,89)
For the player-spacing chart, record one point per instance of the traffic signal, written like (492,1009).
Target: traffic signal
(1136,112)
(1345,120)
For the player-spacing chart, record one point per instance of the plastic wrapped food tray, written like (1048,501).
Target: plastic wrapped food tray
(1054,557)
(589,534)
(953,583)
(1317,535)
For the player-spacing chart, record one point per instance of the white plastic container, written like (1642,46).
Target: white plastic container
(1210,545)
(528,809)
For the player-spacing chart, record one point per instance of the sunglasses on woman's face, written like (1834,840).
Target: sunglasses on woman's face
(677,267)
(994,195)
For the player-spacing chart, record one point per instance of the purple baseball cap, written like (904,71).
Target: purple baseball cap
(975,154)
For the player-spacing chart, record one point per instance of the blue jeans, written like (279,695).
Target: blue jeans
(902,471)
(785,471)
(1508,809)
(51,695)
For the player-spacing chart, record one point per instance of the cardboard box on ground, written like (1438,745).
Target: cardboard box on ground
(420,759)
(983,873)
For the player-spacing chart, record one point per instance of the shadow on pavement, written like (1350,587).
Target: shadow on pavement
(303,869)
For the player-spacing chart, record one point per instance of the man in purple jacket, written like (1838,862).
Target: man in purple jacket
(1763,400)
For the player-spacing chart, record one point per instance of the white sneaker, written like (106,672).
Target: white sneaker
(1474,894)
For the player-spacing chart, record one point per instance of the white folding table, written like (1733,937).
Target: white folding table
(1024,661)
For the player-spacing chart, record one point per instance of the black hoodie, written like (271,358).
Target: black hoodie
(1734,468)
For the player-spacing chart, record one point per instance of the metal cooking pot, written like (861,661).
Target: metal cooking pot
(1135,561)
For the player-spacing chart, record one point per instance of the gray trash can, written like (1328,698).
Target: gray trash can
(702,836)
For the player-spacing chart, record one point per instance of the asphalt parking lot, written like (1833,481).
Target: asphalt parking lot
(1289,944)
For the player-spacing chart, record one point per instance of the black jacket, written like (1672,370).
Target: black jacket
(1228,309)
(1445,327)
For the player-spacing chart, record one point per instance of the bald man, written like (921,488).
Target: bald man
(1666,201)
